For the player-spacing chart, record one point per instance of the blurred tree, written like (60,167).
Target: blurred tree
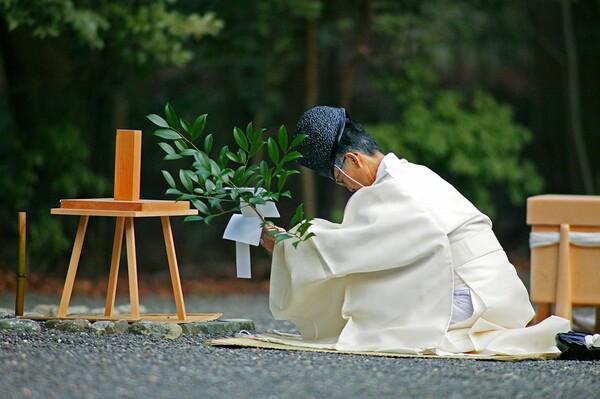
(431,72)
(462,133)
(472,142)
(67,65)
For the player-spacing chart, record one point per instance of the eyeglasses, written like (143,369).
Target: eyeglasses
(336,179)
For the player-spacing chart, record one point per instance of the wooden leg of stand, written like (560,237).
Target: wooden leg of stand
(173,267)
(563,280)
(132,269)
(111,292)
(75,255)
(543,311)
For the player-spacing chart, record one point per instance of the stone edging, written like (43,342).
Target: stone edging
(150,328)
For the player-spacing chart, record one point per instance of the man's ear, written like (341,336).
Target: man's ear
(354,158)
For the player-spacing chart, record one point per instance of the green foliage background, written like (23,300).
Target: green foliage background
(474,90)
(473,142)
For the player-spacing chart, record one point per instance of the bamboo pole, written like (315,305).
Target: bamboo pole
(21,275)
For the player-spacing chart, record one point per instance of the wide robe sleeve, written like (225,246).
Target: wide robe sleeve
(380,280)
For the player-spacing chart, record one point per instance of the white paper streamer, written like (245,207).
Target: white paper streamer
(585,239)
(245,230)
(242,260)
(544,239)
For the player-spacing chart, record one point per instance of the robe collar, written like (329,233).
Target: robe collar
(388,162)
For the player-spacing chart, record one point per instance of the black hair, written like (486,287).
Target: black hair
(355,139)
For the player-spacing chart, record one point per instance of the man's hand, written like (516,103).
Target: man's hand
(268,241)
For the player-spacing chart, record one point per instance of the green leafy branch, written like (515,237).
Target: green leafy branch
(227,181)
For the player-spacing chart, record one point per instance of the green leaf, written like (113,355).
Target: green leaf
(223,159)
(282,236)
(298,139)
(173,191)
(304,226)
(169,179)
(167,134)
(198,127)
(194,218)
(171,116)
(208,143)
(256,142)
(216,203)
(255,148)
(185,124)
(186,180)
(246,178)
(167,148)
(252,179)
(290,156)
(202,159)
(309,235)
(210,186)
(214,168)
(157,120)
(242,157)
(268,177)
(237,176)
(240,138)
(232,156)
(255,201)
(281,182)
(264,168)
(273,150)
(298,216)
(172,157)
(283,138)
(201,206)
(189,152)
(258,134)
(250,132)
(226,175)
(193,176)
(181,145)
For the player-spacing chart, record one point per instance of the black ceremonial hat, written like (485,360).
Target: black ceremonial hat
(324,127)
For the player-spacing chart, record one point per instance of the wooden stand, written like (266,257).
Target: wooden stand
(564,274)
(125,207)
(124,224)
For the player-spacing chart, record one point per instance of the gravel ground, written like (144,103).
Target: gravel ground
(52,364)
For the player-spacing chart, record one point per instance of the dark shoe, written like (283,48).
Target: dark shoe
(574,347)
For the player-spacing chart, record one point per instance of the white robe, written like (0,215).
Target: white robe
(383,279)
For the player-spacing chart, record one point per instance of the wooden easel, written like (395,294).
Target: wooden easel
(125,206)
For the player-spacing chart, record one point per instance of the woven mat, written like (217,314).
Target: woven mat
(266,342)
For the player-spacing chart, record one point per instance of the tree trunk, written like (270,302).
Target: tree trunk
(309,197)
(360,50)
(347,79)
(573,98)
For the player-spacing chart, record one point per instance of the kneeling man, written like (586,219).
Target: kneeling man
(414,267)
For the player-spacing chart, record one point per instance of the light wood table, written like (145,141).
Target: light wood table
(125,212)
